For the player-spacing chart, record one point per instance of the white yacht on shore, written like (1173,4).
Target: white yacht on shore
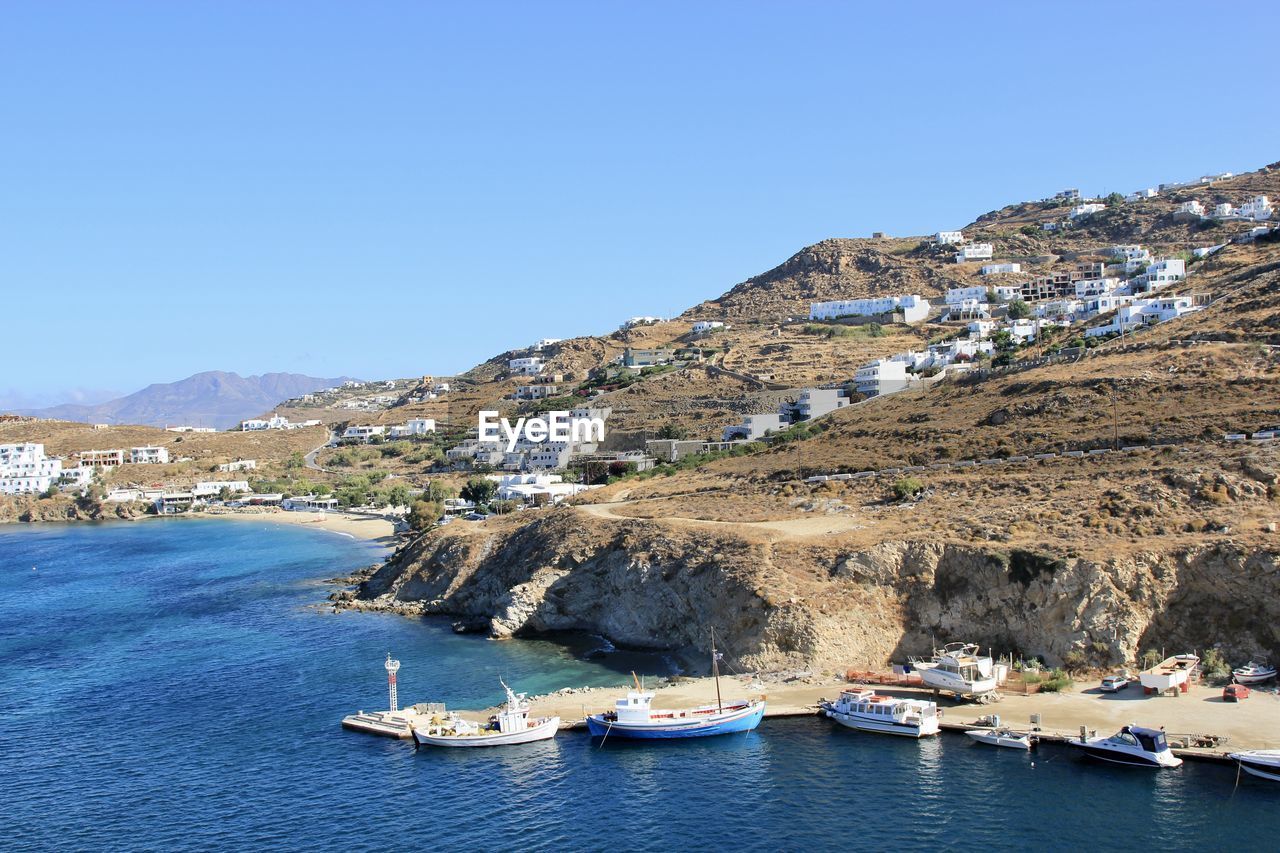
(509,726)
(867,711)
(1253,673)
(958,668)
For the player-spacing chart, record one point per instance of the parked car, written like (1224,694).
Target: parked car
(1235,693)
(1114,683)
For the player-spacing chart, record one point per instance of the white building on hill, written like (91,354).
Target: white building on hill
(992,269)
(413,426)
(948,238)
(526,366)
(912,307)
(1145,312)
(959,295)
(974,252)
(24,469)
(755,427)
(363,433)
(1080,211)
(703,326)
(149,455)
(883,376)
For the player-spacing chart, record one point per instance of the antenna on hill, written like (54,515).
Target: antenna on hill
(715,670)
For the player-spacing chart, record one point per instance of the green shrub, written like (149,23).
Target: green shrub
(1057,681)
(907,487)
(1214,666)
(1149,658)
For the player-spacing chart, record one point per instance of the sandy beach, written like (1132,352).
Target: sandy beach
(1252,724)
(356,526)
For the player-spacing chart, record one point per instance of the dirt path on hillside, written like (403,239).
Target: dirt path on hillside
(789,528)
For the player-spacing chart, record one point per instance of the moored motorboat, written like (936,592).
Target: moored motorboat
(634,717)
(512,725)
(1264,763)
(1002,737)
(1253,673)
(867,711)
(1131,745)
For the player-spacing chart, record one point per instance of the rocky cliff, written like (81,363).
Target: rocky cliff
(644,583)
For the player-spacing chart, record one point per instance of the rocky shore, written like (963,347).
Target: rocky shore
(816,603)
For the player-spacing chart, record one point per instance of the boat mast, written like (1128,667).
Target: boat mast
(715,670)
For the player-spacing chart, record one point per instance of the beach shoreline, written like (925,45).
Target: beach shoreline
(364,527)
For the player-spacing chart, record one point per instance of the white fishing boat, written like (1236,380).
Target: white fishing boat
(1171,673)
(867,711)
(1253,673)
(1131,745)
(511,725)
(1002,737)
(1263,763)
(958,668)
(634,717)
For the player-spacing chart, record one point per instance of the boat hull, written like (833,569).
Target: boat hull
(1263,767)
(1130,759)
(1254,678)
(738,720)
(544,730)
(911,730)
(999,740)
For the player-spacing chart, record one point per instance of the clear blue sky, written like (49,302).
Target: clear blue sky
(386,189)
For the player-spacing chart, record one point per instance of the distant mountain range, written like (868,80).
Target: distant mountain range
(210,399)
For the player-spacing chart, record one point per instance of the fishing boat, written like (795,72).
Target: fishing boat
(1001,737)
(1264,763)
(959,668)
(1131,745)
(1170,674)
(634,717)
(867,711)
(511,725)
(1253,673)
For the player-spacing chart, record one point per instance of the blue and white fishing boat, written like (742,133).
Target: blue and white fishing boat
(634,717)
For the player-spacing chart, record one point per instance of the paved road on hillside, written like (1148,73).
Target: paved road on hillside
(310,458)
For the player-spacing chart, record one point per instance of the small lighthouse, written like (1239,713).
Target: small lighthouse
(392,666)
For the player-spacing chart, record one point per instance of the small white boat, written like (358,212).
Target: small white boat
(511,725)
(1253,673)
(1001,737)
(1171,673)
(1263,763)
(1131,745)
(867,711)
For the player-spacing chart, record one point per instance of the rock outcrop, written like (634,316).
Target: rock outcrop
(646,584)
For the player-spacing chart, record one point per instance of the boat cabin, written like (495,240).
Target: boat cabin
(1151,740)
(634,707)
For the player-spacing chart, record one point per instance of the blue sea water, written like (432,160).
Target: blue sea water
(178,684)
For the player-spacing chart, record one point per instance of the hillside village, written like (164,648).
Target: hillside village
(1034,281)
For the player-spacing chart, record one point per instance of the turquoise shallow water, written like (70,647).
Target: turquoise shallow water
(177,685)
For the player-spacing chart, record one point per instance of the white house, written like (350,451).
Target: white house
(24,469)
(1087,287)
(102,458)
(992,269)
(633,322)
(1224,210)
(981,328)
(149,455)
(974,252)
(948,238)
(1145,312)
(755,427)
(1206,251)
(1060,309)
(1007,293)
(536,488)
(959,295)
(440,388)
(1165,272)
(704,326)
(1142,195)
(363,433)
(413,426)
(309,503)
(1067,195)
(276,421)
(1192,208)
(545,343)
(211,488)
(883,376)
(239,465)
(816,402)
(537,392)
(1259,208)
(913,308)
(529,365)
(1082,210)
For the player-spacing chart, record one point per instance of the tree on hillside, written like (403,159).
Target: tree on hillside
(479,490)
(424,514)
(1019,310)
(672,431)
